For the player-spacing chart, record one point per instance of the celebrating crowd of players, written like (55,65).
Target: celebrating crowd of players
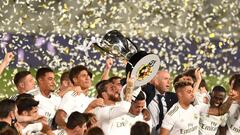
(119,108)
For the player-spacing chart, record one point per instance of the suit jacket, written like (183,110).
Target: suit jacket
(170,97)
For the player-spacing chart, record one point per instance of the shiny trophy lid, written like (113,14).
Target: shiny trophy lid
(142,65)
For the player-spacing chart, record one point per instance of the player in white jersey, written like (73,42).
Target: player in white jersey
(48,101)
(183,118)
(209,124)
(122,125)
(27,106)
(76,125)
(72,101)
(25,83)
(114,107)
(233,122)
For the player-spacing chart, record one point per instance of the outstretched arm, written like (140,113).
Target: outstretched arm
(8,57)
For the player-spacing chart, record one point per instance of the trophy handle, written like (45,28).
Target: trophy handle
(133,44)
(100,48)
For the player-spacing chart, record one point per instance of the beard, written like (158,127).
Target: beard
(114,97)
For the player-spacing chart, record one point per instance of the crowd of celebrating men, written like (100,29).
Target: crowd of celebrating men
(119,108)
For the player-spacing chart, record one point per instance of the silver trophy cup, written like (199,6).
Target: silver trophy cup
(142,65)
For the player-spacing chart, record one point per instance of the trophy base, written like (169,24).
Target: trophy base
(143,67)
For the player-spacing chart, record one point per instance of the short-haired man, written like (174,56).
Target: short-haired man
(8,113)
(65,84)
(114,108)
(123,124)
(116,80)
(25,83)
(72,101)
(188,123)
(29,107)
(209,124)
(48,100)
(76,125)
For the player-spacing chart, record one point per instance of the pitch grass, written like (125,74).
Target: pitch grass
(7,87)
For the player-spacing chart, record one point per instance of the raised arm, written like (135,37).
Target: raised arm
(198,75)
(8,57)
(108,66)
(129,88)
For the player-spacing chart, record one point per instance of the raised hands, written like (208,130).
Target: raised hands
(198,74)
(109,63)
(8,57)
(129,88)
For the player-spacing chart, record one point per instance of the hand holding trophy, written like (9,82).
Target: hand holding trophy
(142,65)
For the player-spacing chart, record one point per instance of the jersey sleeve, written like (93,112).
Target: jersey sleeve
(224,120)
(67,102)
(169,119)
(202,108)
(111,112)
(168,122)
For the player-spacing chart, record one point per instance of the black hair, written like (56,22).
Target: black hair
(19,76)
(64,76)
(23,95)
(177,78)
(114,78)
(236,84)
(101,87)
(219,88)
(75,71)
(234,77)
(191,73)
(6,129)
(42,71)
(6,106)
(140,128)
(75,119)
(26,104)
(140,96)
(95,131)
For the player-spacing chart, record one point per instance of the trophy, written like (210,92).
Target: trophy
(142,65)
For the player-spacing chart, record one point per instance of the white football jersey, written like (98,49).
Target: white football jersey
(233,122)
(48,106)
(208,124)
(60,132)
(106,115)
(180,121)
(33,129)
(200,98)
(33,92)
(122,125)
(72,102)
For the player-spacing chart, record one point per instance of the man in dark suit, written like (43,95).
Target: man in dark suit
(159,100)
